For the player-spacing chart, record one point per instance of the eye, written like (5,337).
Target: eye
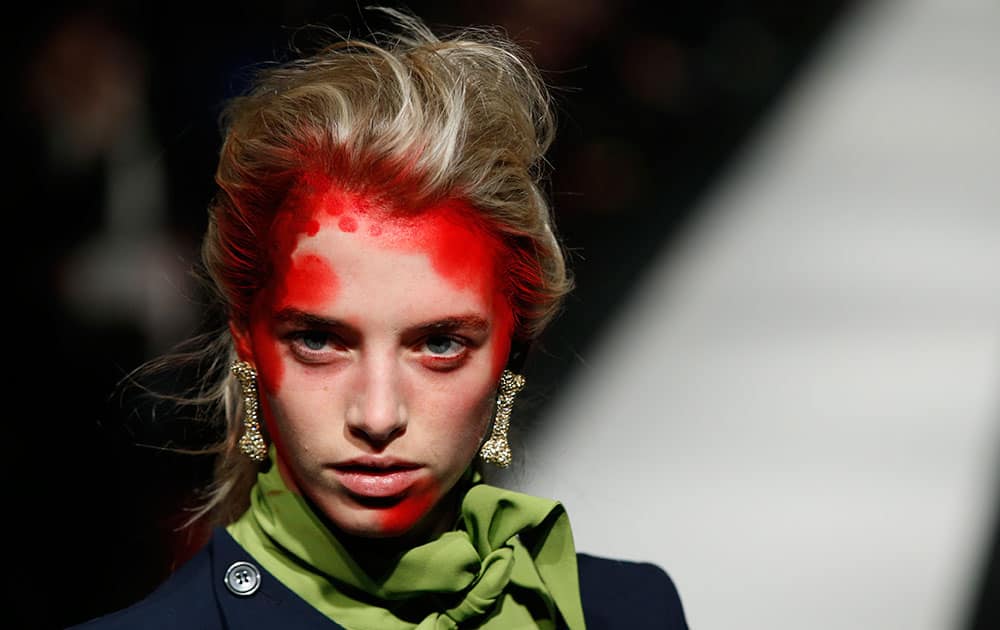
(444,346)
(314,346)
(314,340)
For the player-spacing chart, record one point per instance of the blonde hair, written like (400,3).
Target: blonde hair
(414,117)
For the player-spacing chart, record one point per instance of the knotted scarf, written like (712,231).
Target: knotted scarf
(510,563)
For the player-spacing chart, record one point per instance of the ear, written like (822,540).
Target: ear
(241,341)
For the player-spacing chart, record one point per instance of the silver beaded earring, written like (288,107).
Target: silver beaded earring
(252,441)
(496,450)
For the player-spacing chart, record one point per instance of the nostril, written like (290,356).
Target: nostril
(377,421)
(377,437)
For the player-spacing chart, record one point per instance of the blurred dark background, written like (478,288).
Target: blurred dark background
(113,115)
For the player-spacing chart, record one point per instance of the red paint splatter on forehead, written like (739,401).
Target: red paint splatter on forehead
(452,233)
(461,247)
(307,281)
(348,224)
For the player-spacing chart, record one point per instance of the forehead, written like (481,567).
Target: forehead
(324,219)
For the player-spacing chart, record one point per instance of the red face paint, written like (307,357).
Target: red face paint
(348,224)
(308,281)
(402,517)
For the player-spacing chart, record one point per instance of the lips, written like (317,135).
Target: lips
(377,477)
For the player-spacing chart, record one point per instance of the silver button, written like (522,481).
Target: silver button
(242,578)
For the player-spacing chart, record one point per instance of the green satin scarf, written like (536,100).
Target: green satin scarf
(510,563)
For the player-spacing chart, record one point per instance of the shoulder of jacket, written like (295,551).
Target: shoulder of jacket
(185,599)
(623,593)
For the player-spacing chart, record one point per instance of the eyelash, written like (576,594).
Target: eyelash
(297,341)
(463,344)
(444,362)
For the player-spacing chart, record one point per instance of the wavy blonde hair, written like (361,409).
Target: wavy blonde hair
(409,116)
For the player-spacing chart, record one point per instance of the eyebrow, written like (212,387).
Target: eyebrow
(296,316)
(472,323)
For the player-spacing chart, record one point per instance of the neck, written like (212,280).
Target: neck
(377,555)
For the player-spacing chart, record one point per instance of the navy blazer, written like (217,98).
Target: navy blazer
(615,594)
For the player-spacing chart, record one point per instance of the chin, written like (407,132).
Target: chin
(377,519)
(367,528)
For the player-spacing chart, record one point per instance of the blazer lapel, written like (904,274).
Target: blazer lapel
(253,598)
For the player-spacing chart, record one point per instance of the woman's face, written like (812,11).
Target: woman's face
(378,343)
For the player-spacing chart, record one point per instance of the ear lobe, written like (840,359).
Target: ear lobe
(241,341)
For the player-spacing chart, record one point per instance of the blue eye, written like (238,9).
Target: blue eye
(315,340)
(443,345)
(316,345)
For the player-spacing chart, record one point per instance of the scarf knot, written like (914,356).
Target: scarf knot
(494,575)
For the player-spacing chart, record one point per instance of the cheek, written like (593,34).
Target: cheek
(298,425)
(462,422)
(266,347)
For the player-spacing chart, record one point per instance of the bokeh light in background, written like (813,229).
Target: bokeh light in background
(682,234)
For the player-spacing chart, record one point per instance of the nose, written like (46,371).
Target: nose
(377,414)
